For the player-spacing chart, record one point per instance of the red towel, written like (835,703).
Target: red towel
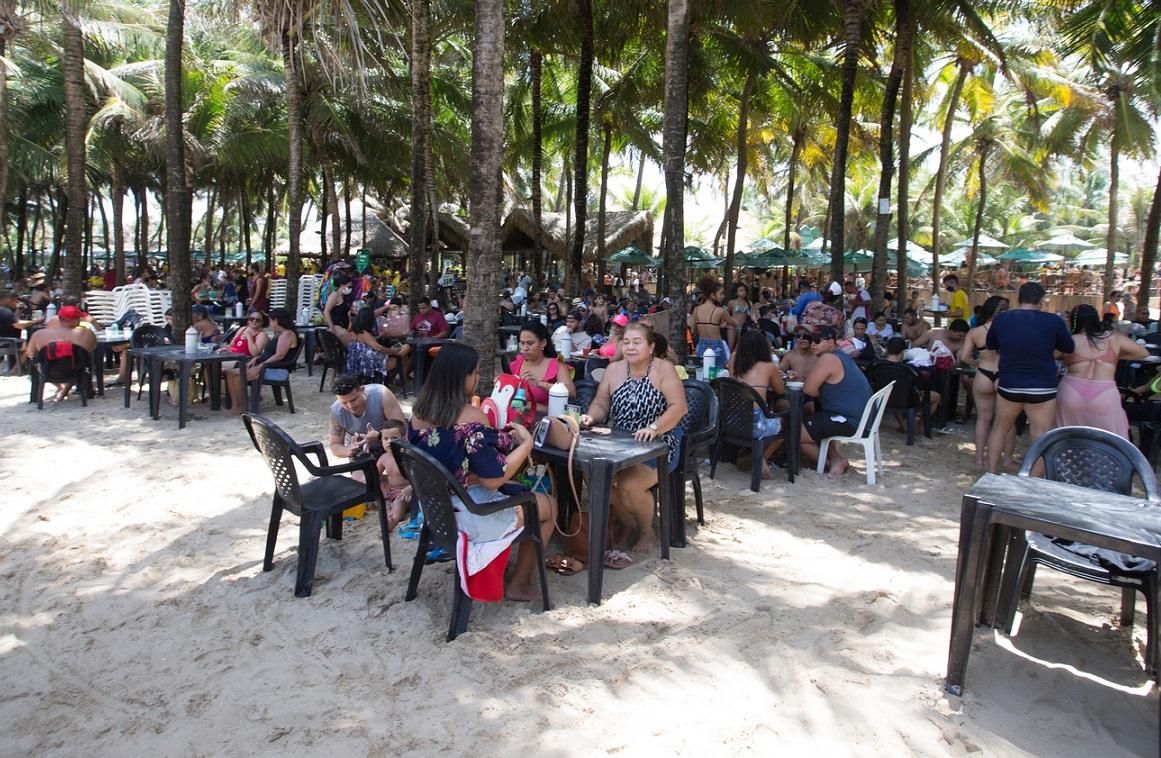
(487,584)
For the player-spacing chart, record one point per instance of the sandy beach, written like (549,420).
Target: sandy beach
(813,617)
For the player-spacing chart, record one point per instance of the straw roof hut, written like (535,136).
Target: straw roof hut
(622,228)
(383,241)
(453,232)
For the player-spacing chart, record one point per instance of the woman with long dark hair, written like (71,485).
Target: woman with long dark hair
(1088,394)
(446,425)
(752,364)
(537,363)
(555,317)
(365,356)
(975,352)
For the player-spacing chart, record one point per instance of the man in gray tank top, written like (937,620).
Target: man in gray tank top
(842,392)
(358,415)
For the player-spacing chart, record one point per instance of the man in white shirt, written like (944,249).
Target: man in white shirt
(569,337)
(859,299)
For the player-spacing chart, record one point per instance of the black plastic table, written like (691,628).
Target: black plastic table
(998,504)
(598,458)
(157,356)
(796,397)
(106,341)
(308,334)
(419,350)
(14,346)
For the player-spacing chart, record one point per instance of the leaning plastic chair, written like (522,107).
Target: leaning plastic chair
(736,401)
(586,390)
(866,434)
(433,488)
(906,397)
(52,364)
(593,365)
(317,502)
(334,355)
(1100,460)
(700,424)
(147,335)
(277,385)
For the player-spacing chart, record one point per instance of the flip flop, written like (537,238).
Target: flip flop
(615,559)
(565,565)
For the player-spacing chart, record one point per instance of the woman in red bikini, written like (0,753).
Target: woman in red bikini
(1088,394)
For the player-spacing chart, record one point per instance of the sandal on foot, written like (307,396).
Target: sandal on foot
(565,565)
(615,559)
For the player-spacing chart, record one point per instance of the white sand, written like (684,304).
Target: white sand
(135,619)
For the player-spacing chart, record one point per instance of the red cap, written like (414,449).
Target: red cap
(621,320)
(70,313)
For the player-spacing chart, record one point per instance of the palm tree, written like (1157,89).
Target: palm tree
(177,194)
(9,27)
(420,138)
(76,123)
(580,197)
(673,162)
(485,185)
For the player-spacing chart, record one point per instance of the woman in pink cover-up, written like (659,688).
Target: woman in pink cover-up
(1088,394)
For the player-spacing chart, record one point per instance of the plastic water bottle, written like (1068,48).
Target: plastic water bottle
(304,315)
(935,302)
(50,311)
(191,340)
(708,361)
(557,399)
(239,309)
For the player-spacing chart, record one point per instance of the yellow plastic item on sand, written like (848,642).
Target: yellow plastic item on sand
(356,511)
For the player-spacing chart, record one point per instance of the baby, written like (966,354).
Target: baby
(396,489)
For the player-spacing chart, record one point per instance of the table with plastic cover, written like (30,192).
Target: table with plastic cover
(106,341)
(597,459)
(997,504)
(158,356)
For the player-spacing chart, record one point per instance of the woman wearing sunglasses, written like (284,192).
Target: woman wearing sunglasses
(249,342)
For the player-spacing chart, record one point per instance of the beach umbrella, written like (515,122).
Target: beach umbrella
(633,256)
(858,260)
(914,267)
(959,255)
(986,242)
(815,244)
(764,245)
(776,259)
(706,264)
(693,253)
(1098,257)
(1031,256)
(1064,242)
(913,249)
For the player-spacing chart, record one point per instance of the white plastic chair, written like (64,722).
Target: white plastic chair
(867,435)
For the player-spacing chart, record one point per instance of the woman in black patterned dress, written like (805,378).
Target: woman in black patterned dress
(643,396)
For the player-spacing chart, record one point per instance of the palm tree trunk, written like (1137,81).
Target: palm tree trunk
(324,218)
(985,148)
(208,222)
(673,161)
(143,226)
(1111,239)
(178,195)
(270,238)
(1149,245)
(4,122)
(59,214)
(606,149)
(420,134)
(485,186)
(941,171)
(740,180)
(118,200)
(104,228)
(852,37)
(21,233)
(903,204)
(791,177)
(294,164)
(637,189)
(580,196)
(246,223)
(886,159)
(536,73)
(346,213)
(336,221)
(76,122)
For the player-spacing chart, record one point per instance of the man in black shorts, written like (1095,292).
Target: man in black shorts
(842,392)
(1026,338)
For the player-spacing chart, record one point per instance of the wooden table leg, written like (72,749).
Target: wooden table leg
(671,522)
(183,392)
(972,524)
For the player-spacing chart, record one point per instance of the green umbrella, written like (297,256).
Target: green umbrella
(765,245)
(633,256)
(1030,256)
(706,264)
(859,260)
(698,254)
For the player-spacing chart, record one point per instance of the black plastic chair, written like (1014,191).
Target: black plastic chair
(586,390)
(1101,460)
(334,355)
(700,425)
(433,487)
(736,401)
(905,397)
(53,366)
(147,335)
(13,348)
(277,385)
(594,363)
(319,502)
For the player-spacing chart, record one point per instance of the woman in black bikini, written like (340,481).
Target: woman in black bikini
(709,321)
(987,366)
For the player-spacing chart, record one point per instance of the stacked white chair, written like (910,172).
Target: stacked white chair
(278,293)
(101,305)
(308,288)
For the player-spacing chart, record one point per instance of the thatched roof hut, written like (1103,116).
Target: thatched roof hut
(384,241)
(621,229)
(453,232)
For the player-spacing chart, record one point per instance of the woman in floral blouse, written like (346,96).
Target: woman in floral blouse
(448,427)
